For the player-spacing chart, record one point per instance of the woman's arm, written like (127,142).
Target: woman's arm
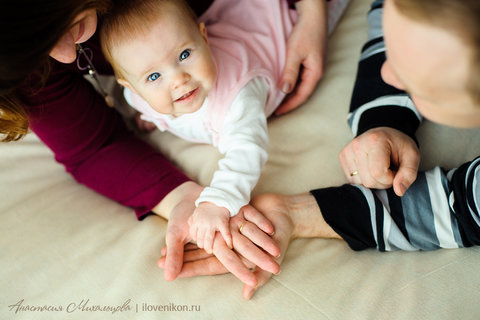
(92,142)
(306,48)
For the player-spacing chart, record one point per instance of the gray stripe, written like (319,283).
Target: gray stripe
(419,220)
(373,50)
(397,240)
(456,232)
(375,22)
(394,239)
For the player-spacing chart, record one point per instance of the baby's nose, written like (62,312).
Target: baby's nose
(180,78)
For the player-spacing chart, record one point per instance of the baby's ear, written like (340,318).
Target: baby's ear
(203,31)
(126,84)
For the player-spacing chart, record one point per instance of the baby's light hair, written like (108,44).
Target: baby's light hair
(461,17)
(129,18)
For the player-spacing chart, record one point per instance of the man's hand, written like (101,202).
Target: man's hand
(381,158)
(252,247)
(248,266)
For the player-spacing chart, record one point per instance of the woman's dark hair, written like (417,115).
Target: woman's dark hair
(29,31)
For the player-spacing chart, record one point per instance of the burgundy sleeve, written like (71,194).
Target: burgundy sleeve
(93,143)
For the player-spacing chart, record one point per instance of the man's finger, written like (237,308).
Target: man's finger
(254,254)
(252,215)
(232,262)
(204,267)
(188,247)
(259,238)
(407,172)
(194,255)
(379,167)
(263,277)
(349,165)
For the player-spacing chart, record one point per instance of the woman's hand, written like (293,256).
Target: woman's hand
(197,262)
(248,244)
(177,207)
(306,50)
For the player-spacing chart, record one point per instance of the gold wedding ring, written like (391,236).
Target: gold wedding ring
(354,173)
(241,226)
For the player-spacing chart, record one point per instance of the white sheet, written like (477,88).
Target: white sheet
(61,243)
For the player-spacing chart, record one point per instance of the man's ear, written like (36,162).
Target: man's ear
(203,31)
(126,84)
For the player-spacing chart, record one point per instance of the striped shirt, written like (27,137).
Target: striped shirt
(441,208)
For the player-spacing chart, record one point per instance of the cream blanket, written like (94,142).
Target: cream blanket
(63,246)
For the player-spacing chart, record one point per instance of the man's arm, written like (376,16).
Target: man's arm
(374,103)
(383,119)
(440,210)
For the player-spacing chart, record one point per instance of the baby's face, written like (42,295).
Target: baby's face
(171,67)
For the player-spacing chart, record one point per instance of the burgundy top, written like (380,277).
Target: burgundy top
(91,140)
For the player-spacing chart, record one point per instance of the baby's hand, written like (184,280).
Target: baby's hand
(143,125)
(205,221)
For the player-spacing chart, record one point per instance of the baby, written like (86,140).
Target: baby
(217,87)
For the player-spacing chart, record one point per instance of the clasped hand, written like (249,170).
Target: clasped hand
(381,158)
(253,247)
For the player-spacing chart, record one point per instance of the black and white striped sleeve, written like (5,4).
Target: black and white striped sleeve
(440,210)
(375,103)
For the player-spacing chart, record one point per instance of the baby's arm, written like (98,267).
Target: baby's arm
(244,141)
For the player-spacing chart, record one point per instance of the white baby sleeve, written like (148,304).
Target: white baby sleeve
(244,142)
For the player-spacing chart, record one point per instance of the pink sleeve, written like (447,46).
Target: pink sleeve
(92,142)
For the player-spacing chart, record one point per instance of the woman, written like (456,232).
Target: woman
(47,48)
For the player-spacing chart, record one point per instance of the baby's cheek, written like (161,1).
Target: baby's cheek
(209,72)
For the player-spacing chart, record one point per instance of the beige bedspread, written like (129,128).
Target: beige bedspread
(70,251)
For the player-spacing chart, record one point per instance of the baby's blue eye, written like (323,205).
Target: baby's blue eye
(185,54)
(154,76)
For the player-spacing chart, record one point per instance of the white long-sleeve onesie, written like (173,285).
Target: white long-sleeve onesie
(243,140)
